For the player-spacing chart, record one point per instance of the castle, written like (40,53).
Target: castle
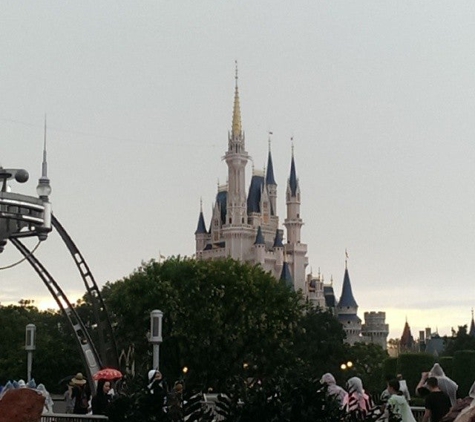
(246,227)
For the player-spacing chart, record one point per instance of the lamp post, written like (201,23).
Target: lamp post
(30,346)
(156,335)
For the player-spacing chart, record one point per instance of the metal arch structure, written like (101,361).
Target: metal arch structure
(89,353)
(107,343)
(26,216)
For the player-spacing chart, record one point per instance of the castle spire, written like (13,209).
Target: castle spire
(201,228)
(347,299)
(270,180)
(236,125)
(293,182)
(472,327)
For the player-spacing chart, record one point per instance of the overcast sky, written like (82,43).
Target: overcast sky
(378,95)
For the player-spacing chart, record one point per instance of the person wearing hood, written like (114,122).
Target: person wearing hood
(445,384)
(49,403)
(156,383)
(464,410)
(357,402)
(334,390)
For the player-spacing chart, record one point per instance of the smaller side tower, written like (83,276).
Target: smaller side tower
(294,248)
(201,234)
(375,330)
(347,311)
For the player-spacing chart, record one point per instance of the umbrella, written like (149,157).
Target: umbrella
(107,374)
(66,380)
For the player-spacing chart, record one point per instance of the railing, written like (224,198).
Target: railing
(418,412)
(68,417)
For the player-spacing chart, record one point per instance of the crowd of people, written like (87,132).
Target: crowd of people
(40,388)
(438,391)
(80,401)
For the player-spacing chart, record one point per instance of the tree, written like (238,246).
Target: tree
(54,344)
(319,343)
(460,340)
(221,319)
(368,361)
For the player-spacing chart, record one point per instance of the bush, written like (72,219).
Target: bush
(463,370)
(389,368)
(411,365)
(447,364)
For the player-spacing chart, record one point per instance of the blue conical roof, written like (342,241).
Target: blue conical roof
(270,180)
(259,237)
(293,178)
(254,196)
(201,228)
(347,300)
(286,277)
(278,239)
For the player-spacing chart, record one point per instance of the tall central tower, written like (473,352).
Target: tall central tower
(236,157)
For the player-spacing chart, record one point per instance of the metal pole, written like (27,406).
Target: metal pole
(156,354)
(29,365)
(30,346)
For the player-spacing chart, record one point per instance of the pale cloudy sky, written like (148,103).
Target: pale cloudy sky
(378,95)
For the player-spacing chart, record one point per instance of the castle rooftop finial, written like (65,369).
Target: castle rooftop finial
(236,126)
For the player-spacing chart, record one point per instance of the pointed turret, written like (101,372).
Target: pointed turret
(472,327)
(407,341)
(347,311)
(286,277)
(347,299)
(201,228)
(236,124)
(270,180)
(271,184)
(293,182)
(278,239)
(259,237)
(201,234)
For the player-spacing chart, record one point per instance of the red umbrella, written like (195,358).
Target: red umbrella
(107,374)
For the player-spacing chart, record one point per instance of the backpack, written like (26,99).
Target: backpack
(83,399)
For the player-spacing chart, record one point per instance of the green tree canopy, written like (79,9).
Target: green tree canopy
(460,340)
(221,319)
(56,354)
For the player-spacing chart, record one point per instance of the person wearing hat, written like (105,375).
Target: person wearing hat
(81,394)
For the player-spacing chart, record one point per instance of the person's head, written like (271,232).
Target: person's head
(328,379)
(355,385)
(154,375)
(432,383)
(436,371)
(103,387)
(106,387)
(393,386)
